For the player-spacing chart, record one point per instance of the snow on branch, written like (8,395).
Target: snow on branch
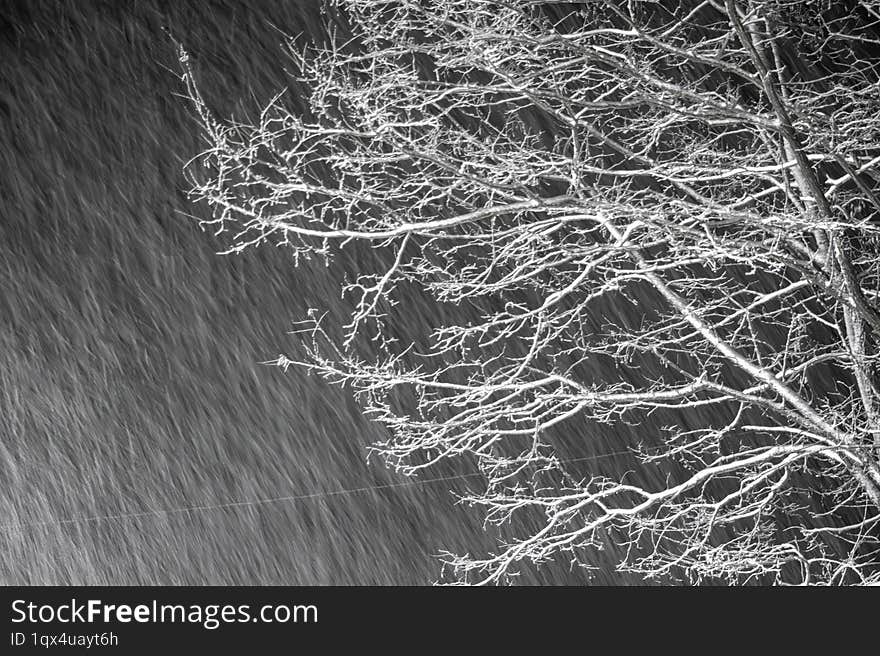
(687,190)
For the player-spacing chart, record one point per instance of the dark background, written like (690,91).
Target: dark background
(129,351)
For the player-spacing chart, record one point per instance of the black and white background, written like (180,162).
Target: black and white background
(146,437)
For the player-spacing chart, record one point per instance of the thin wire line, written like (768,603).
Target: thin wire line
(258,502)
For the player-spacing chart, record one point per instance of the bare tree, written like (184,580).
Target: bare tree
(711,165)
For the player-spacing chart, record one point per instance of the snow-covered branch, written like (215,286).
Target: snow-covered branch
(710,166)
